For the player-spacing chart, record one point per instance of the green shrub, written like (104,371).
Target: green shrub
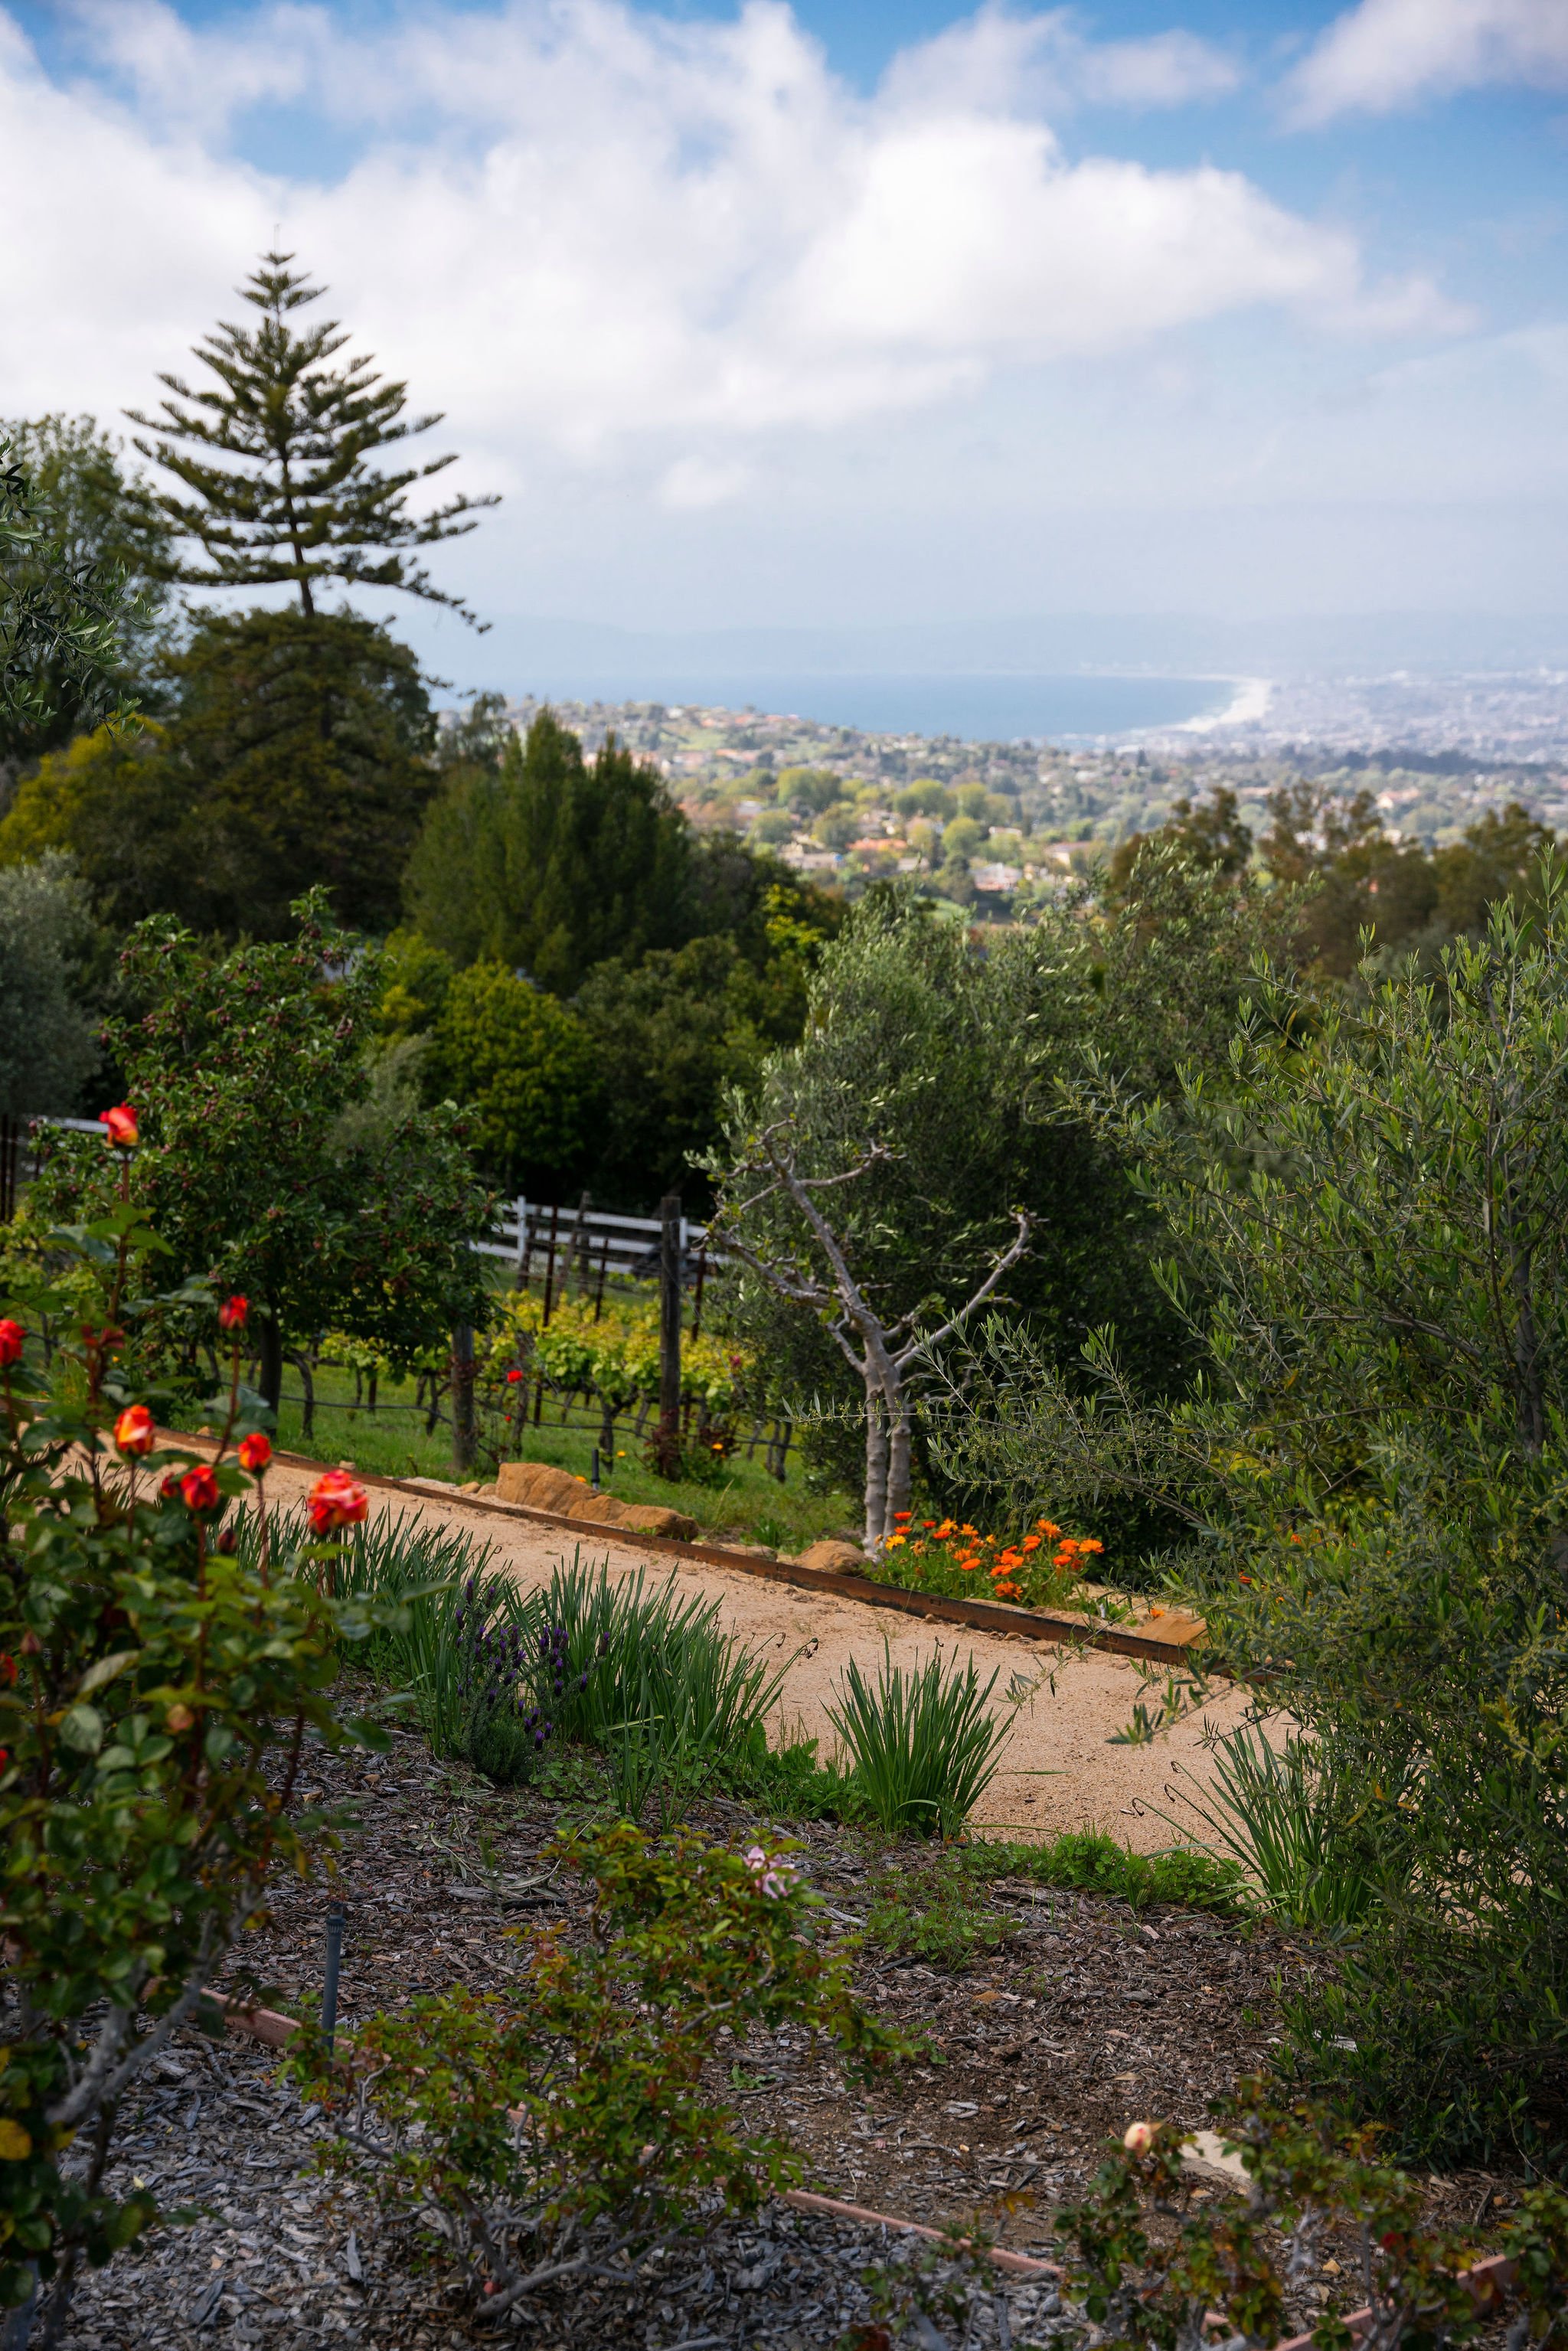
(566,2116)
(924,1748)
(1312,2185)
(155,1692)
(935,1909)
(788,1782)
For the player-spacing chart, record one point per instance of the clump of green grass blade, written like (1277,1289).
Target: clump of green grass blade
(924,1748)
(1277,1816)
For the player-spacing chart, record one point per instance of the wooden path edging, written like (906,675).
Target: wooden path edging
(979,1616)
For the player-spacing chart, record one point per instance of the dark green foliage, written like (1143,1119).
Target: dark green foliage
(240,1067)
(303,745)
(787,1783)
(951,1061)
(295,756)
(556,863)
(935,1910)
(924,1745)
(302,506)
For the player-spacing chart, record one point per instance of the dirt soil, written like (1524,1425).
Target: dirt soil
(1058,1771)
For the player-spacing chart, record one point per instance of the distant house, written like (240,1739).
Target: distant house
(1001,879)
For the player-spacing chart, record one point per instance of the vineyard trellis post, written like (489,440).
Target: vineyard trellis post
(672,1233)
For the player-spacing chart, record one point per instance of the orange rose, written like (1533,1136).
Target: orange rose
(255,1451)
(124,1134)
(133,1431)
(336,1500)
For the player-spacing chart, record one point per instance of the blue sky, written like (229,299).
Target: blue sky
(871,314)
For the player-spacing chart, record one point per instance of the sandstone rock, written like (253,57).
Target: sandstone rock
(538,1484)
(843,1558)
(658,1518)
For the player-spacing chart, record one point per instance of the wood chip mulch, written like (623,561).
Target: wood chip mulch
(1088,2017)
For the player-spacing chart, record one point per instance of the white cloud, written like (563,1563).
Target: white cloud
(581,227)
(1387,54)
(692,484)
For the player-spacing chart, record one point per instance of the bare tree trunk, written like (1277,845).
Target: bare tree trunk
(897,1460)
(875,1466)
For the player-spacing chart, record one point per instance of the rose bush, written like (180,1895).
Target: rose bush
(156,1690)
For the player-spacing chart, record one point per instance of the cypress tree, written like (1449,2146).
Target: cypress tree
(302,505)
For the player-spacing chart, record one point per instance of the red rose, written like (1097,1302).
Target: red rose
(133,1431)
(513,1376)
(169,1486)
(336,1500)
(11,1337)
(232,1313)
(199,1488)
(124,1133)
(255,1451)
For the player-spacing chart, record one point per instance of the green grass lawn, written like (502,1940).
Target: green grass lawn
(743,1502)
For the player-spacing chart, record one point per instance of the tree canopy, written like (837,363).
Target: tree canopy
(295,753)
(47,1048)
(275,458)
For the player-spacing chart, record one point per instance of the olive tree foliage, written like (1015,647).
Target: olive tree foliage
(1368,1229)
(63,617)
(47,1048)
(872,1186)
(940,1070)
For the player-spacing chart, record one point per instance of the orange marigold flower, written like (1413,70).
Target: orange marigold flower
(896,1542)
(133,1431)
(1030,1542)
(1090,1542)
(967,1566)
(336,1500)
(1006,1591)
(1049,1529)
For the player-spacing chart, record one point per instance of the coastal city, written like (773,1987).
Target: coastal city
(995,825)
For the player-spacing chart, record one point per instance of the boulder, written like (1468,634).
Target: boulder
(538,1484)
(841,1558)
(658,1518)
(541,1487)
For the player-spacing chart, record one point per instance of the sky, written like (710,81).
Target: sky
(857,314)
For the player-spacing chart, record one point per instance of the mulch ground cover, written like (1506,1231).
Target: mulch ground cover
(1086,2015)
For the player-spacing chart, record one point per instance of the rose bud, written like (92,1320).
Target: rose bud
(178,1716)
(124,1133)
(133,1431)
(199,1488)
(336,1500)
(232,1313)
(11,1337)
(1138,2137)
(255,1452)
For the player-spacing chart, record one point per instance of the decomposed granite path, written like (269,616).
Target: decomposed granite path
(1058,1771)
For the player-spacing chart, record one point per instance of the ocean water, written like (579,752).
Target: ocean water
(976,708)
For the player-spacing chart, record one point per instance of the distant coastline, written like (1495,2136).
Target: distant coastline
(1085,707)
(1248,706)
